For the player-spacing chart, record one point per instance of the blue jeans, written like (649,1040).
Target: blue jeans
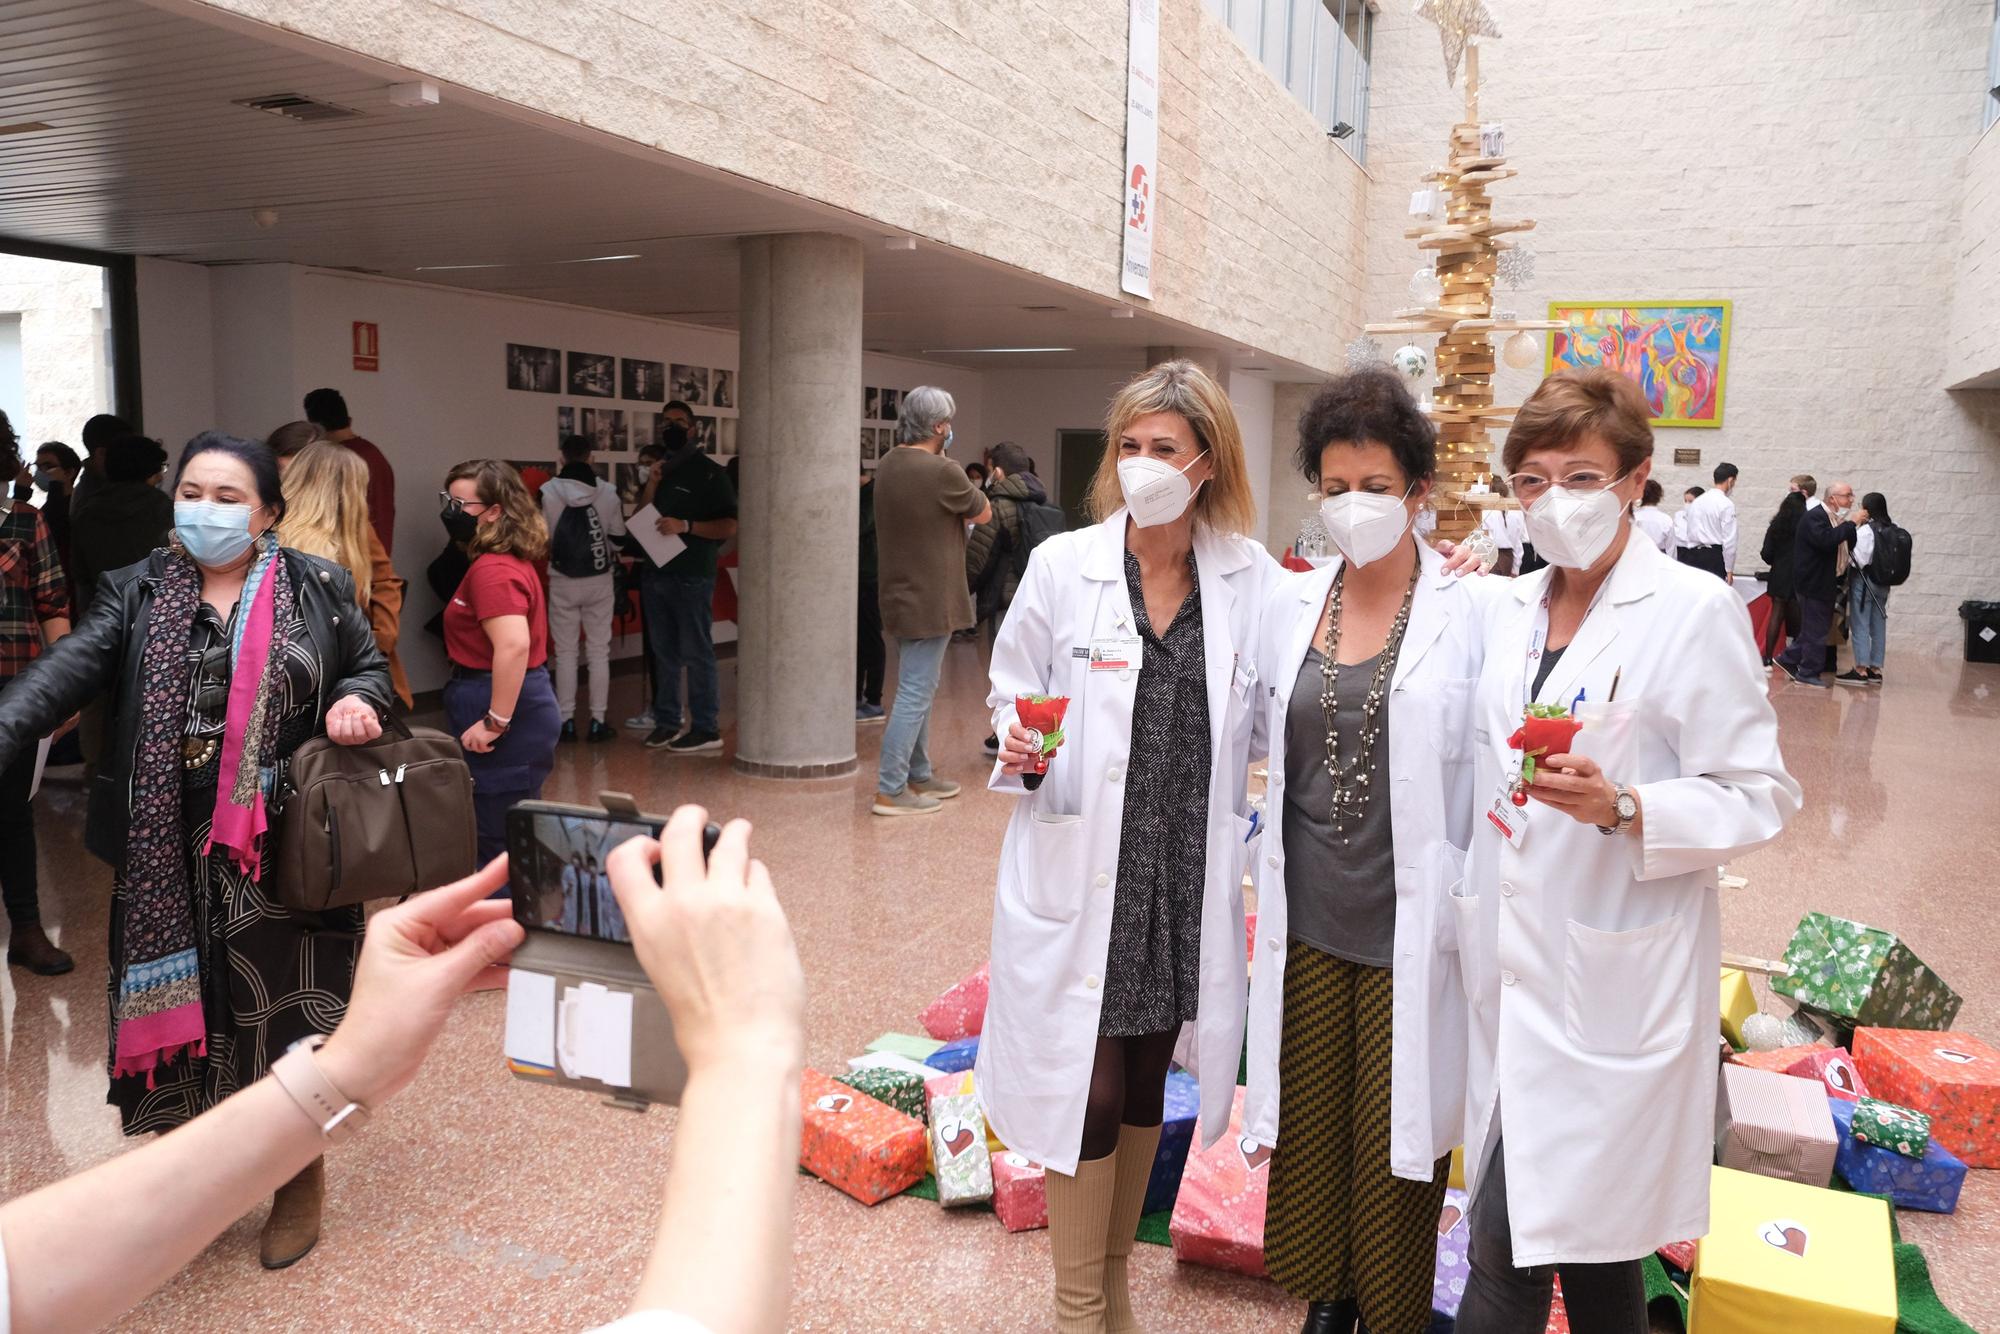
(1868,619)
(680,632)
(905,750)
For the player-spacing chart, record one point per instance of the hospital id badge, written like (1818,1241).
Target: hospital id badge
(1504,815)
(1117,653)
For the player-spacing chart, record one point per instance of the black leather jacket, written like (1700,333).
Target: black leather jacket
(101,658)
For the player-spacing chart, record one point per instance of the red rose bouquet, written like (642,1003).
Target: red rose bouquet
(1042,715)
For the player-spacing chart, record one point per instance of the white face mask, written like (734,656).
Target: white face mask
(1573,530)
(1365,526)
(1155,492)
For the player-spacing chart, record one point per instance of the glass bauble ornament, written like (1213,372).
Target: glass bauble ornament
(1521,351)
(1411,362)
(1425,288)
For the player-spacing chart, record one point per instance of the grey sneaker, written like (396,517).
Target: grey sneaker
(940,789)
(868,713)
(906,802)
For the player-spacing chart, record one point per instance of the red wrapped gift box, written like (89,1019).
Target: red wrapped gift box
(1954,1078)
(864,1147)
(1834,1068)
(1020,1192)
(1558,1313)
(1779,1062)
(1218,1218)
(960,1012)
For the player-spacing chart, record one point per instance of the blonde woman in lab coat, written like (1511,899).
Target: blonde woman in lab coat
(1118,916)
(1588,930)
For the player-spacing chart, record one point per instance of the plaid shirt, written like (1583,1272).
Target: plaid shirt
(32,589)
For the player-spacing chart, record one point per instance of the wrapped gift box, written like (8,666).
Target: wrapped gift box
(1888,1126)
(1558,1311)
(1955,1079)
(1779,1062)
(961,1011)
(1182,1104)
(1863,975)
(901,1089)
(908,1045)
(1678,1255)
(955,1056)
(958,1144)
(1020,1192)
(1774,1125)
(1453,1266)
(1782,1256)
(1834,1069)
(1930,1183)
(864,1147)
(889,1060)
(943,1086)
(1738,1004)
(1218,1218)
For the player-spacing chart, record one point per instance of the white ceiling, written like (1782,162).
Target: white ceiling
(146,154)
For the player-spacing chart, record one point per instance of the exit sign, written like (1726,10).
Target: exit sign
(367,346)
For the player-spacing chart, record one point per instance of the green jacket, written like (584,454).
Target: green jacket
(1006,496)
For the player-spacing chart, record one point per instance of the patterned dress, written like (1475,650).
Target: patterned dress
(1152,972)
(269,976)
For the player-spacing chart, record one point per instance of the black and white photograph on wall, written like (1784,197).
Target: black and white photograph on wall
(593,375)
(628,479)
(643,380)
(891,400)
(565,423)
(606,429)
(870,449)
(871,405)
(645,428)
(722,388)
(689,384)
(725,436)
(536,369)
(704,434)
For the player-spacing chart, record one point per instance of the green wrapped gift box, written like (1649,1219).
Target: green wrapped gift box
(899,1088)
(1863,975)
(1888,1126)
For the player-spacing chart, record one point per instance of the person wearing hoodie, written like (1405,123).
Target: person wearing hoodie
(996,552)
(127,516)
(583,515)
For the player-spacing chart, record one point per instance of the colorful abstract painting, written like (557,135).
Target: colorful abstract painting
(1678,352)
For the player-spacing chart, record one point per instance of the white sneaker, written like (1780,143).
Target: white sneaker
(640,722)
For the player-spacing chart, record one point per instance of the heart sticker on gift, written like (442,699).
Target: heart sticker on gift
(1955,1057)
(834,1102)
(1838,1075)
(1785,1235)
(1255,1155)
(955,1136)
(1448,1221)
(1016,1161)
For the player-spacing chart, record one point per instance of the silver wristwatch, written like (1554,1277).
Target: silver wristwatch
(1627,807)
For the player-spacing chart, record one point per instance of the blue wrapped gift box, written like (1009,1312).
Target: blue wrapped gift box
(1930,1183)
(953,1057)
(1182,1105)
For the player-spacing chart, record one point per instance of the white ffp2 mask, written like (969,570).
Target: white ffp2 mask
(1364,526)
(1155,492)
(1571,529)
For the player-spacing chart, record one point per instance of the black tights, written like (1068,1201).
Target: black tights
(1785,615)
(1128,1084)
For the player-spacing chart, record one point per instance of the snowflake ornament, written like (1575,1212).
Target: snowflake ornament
(1515,267)
(1363,352)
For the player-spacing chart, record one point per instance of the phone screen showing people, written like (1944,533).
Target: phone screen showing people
(567,889)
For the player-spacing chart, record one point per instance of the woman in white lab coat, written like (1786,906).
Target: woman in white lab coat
(1356,1008)
(1650,519)
(1118,917)
(1588,930)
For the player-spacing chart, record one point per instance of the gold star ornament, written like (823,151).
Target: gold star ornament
(1458,22)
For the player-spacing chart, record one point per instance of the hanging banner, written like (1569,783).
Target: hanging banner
(1142,146)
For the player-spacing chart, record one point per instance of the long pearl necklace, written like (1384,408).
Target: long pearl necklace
(1350,789)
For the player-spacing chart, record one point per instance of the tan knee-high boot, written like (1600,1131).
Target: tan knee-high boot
(293,1227)
(1079,1210)
(1137,1146)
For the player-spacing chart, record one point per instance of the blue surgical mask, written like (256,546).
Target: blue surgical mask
(212,533)
(948,434)
(45,479)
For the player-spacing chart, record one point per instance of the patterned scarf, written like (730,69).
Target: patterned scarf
(157,1016)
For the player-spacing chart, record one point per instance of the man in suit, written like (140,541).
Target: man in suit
(1825,533)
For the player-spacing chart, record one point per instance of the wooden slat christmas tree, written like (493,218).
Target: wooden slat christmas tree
(1467,244)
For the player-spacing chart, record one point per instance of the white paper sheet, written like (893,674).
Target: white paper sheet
(41,763)
(611,1034)
(531,1018)
(644,527)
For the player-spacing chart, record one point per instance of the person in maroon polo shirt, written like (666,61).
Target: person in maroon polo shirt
(326,409)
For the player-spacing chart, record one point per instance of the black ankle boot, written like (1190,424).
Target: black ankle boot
(1330,1318)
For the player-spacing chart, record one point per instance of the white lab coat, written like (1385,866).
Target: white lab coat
(1590,960)
(1432,810)
(1059,862)
(1649,520)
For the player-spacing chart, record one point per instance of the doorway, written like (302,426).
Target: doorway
(1077,455)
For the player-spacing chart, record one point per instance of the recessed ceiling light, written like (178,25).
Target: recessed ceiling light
(446,268)
(1123,313)
(899,243)
(25,127)
(597,259)
(931,351)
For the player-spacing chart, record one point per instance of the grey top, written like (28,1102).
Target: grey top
(1341,897)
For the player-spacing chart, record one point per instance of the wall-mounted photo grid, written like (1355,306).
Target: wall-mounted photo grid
(878,422)
(621,414)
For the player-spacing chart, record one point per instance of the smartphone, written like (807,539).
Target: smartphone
(557,871)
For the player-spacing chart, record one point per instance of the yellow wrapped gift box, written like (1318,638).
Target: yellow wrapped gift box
(1784,1256)
(1738,1004)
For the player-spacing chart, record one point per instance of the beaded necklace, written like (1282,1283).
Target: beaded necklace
(1350,798)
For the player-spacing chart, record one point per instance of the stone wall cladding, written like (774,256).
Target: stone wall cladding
(61,309)
(1975,316)
(1805,161)
(998,129)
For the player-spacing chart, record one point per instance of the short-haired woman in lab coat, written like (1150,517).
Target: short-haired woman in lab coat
(1588,929)
(1118,917)
(1356,1009)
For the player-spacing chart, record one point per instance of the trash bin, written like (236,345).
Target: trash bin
(1982,630)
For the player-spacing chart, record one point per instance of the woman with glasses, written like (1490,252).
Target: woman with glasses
(496,632)
(1356,1009)
(1588,930)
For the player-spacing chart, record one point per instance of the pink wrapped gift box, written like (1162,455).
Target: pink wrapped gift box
(1020,1193)
(1834,1068)
(1218,1218)
(961,1011)
(1779,1062)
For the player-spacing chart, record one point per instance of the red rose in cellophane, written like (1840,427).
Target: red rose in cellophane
(1546,729)
(1042,715)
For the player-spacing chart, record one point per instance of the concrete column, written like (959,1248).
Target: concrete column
(799,507)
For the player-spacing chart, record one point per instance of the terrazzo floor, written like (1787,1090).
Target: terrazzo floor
(475,1201)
